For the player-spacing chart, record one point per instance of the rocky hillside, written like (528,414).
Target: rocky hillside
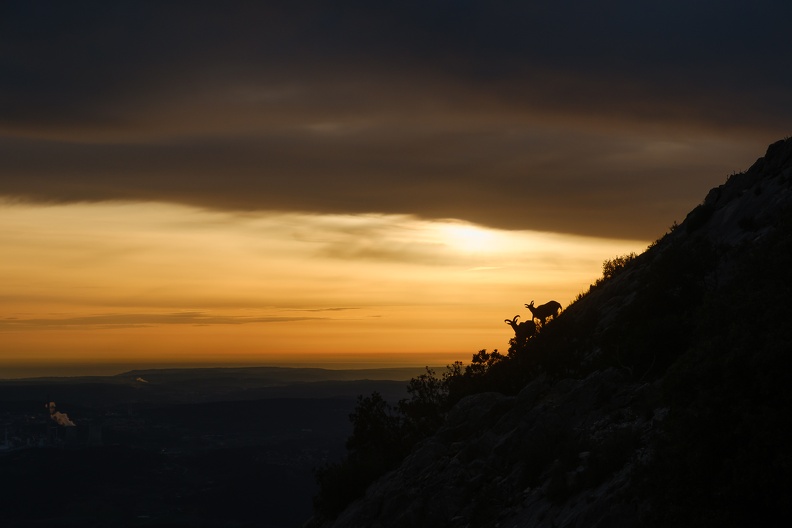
(661,397)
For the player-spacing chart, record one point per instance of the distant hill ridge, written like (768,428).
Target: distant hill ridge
(659,398)
(280,374)
(209,384)
(261,372)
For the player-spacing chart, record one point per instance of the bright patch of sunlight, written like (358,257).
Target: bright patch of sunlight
(468,238)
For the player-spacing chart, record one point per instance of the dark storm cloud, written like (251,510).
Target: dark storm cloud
(545,115)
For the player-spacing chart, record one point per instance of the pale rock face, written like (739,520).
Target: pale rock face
(746,206)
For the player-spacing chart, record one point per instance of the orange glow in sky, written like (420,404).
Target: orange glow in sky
(147,284)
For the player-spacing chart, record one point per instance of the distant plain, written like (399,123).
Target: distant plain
(178,447)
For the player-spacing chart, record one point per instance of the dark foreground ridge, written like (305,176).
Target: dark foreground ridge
(660,397)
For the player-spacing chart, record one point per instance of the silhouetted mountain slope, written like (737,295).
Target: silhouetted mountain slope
(660,397)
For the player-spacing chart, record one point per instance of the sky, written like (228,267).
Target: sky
(351,183)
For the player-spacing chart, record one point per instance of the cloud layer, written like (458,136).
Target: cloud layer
(609,120)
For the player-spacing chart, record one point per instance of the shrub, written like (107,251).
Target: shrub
(612,267)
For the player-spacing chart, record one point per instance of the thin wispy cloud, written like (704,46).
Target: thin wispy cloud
(338,309)
(137,320)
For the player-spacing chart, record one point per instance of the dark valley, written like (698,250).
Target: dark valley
(177,447)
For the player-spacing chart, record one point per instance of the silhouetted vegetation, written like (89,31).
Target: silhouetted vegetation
(380,440)
(610,268)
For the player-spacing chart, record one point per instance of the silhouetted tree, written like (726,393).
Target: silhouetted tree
(379,442)
(423,410)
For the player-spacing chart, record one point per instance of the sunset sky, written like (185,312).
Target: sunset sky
(351,183)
